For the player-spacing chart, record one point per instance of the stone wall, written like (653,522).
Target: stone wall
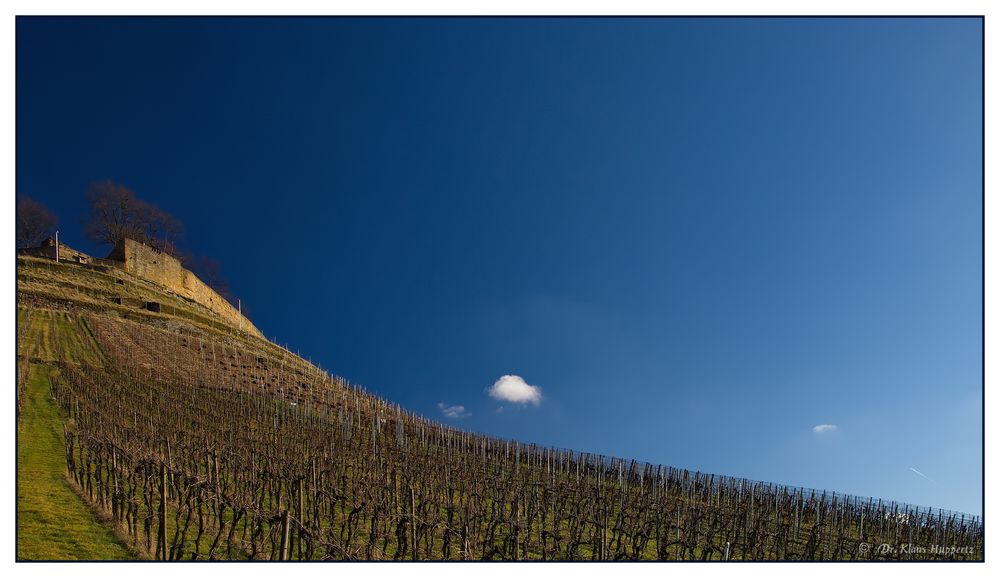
(143,261)
(47,250)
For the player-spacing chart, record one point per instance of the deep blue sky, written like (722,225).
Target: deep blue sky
(700,238)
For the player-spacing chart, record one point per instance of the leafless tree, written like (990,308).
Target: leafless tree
(162,230)
(113,213)
(35,222)
(116,213)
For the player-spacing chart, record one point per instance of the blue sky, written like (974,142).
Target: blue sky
(700,238)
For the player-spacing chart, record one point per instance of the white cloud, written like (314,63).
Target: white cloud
(824,428)
(514,389)
(453,411)
(922,475)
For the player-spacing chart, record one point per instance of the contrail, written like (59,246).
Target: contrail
(919,473)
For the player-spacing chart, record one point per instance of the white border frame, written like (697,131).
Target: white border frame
(494,7)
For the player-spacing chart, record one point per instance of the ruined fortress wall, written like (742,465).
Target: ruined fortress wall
(47,250)
(143,261)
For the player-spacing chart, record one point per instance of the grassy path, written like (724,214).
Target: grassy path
(53,523)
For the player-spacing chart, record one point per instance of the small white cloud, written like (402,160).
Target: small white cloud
(514,389)
(453,411)
(824,428)
(922,475)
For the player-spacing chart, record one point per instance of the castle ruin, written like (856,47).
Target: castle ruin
(147,263)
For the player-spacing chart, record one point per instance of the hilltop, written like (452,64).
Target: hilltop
(176,431)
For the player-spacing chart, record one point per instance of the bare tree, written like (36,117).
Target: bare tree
(162,230)
(35,222)
(116,214)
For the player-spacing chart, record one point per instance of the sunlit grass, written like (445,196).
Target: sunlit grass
(53,523)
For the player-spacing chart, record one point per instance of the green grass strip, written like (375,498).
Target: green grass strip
(53,523)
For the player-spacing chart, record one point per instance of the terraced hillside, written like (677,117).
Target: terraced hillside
(180,438)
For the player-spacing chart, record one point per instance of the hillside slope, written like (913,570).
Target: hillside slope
(53,522)
(198,442)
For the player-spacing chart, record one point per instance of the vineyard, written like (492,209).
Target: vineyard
(202,444)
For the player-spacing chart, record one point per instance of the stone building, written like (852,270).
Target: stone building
(47,250)
(146,262)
